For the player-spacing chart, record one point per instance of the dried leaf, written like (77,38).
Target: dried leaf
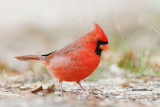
(37,89)
(129,85)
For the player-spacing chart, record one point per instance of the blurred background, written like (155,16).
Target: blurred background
(41,26)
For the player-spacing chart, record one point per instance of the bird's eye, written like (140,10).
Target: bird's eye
(101,45)
(99,42)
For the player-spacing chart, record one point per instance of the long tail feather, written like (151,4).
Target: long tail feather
(28,57)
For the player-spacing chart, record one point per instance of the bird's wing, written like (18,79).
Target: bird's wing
(72,48)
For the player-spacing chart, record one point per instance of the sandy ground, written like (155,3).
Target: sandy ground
(107,92)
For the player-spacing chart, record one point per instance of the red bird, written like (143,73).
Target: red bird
(77,60)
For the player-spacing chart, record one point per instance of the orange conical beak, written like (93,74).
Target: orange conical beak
(104,47)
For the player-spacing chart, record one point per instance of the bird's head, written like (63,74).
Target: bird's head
(101,38)
(96,40)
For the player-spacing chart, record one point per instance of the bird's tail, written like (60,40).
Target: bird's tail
(28,57)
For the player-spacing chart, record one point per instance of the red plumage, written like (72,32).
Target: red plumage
(77,60)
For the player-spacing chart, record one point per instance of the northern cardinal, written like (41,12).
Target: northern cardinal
(77,60)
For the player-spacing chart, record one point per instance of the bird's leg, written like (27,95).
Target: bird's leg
(60,82)
(78,82)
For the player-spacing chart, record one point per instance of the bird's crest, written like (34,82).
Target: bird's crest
(99,33)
